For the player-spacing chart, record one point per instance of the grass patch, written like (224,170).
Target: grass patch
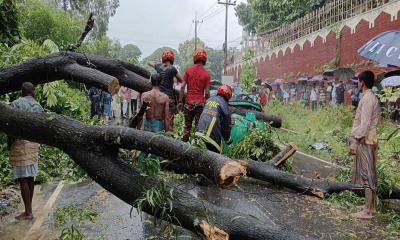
(332,125)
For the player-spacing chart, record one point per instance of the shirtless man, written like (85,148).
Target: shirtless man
(167,73)
(157,114)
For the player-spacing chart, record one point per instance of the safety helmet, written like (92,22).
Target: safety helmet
(225,91)
(168,55)
(200,55)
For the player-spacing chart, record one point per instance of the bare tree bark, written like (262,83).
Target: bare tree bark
(52,68)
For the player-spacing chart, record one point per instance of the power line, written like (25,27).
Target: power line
(208,9)
(190,31)
(214,13)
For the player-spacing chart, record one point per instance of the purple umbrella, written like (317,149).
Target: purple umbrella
(384,48)
(393,81)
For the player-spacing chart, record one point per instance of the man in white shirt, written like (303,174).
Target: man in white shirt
(314,98)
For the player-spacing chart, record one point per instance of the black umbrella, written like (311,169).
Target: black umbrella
(384,48)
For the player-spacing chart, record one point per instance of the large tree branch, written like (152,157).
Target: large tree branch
(51,68)
(86,146)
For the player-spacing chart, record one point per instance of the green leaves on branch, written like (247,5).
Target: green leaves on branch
(9,32)
(39,21)
(248,72)
(257,145)
(261,15)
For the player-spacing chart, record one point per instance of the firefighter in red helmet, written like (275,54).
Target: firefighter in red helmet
(214,126)
(168,73)
(197,81)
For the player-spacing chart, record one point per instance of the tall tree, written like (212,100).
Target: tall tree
(215,57)
(260,15)
(131,50)
(248,73)
(186,50)
(214,62)
(102,10)
(9,33)
(39,21)
(156,56)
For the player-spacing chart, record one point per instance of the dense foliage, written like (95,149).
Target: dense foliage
(102,10)
(257,145)
(9,32)
(257,16)
(248,72)
(214,57)
(60,97)
(39,21)
(104,46)
(156,56)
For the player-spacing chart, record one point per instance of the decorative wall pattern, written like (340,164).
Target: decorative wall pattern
(320,47)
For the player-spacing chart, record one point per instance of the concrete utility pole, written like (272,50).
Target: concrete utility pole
(227,3)
(196,22)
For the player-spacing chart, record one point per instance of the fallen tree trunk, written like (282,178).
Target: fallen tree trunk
(224,171)
(51,68)
(315,187)
(94,151)
(274,121)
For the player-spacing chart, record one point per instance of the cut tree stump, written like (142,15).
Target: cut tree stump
(95,150)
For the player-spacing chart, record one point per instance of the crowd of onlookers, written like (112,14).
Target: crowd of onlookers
(105,106)
(321,93)
(312,95)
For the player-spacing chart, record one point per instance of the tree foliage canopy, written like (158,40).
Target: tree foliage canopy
(258,16)
(156,56)
(9,33)
(39,21)
(248,73)
(102,10)
(214,57)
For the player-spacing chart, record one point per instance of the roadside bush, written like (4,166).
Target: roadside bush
(257,145)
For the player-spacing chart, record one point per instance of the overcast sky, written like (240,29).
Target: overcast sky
(151,24)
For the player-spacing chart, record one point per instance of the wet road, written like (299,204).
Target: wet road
(273,205)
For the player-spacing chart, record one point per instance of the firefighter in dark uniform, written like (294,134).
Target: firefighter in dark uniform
(214,126)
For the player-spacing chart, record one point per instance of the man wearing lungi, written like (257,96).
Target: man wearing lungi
(24,155)
(364,145)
